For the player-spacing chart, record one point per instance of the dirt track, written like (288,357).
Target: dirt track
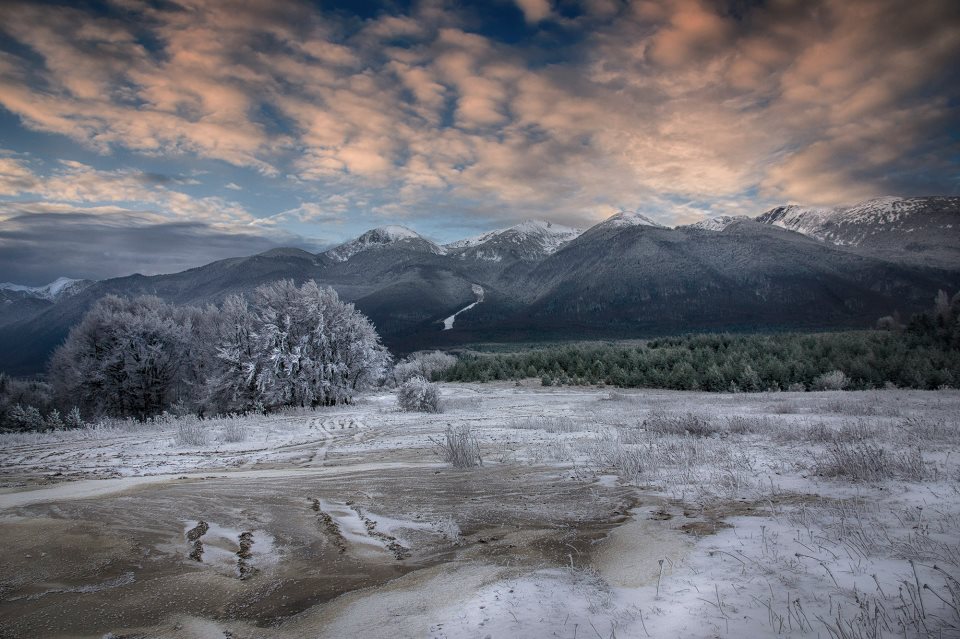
(276,547)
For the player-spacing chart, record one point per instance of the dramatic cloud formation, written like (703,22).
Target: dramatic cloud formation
(309,123)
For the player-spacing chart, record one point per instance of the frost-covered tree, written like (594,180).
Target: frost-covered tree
(231,383)
(125,358)
(296,346)
(287,346)
(14,392)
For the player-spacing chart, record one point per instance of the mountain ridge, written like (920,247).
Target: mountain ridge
(625,278)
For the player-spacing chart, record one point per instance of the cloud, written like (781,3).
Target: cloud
(534,10)
(424,114)
(16,177)
(694,31)
(78,184)
(79,221)
(39,244)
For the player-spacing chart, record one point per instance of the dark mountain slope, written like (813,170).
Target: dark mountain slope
(747,276)
(919,230)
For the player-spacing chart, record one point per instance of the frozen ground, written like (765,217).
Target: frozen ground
(595,514)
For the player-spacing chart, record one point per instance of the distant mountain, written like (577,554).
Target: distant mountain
(920,230)
(719,223)
(751,276)
(627,276)
(59,288)
(19,302)
(628,218)
(380,237)
(529,240)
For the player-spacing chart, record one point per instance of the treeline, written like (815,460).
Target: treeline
(286,346)
(923,353)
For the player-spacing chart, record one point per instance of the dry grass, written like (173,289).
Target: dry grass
(692,424)
(459,447)
(549,424)
(233,432)
(864,461)
(190,432)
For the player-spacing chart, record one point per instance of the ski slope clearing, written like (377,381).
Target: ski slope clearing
(595,513)
(448,322)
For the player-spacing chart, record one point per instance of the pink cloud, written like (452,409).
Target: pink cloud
(534,10)
(668,100)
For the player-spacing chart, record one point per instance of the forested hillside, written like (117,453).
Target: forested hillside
(924,353)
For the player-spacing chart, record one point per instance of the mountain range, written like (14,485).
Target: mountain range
(790,268)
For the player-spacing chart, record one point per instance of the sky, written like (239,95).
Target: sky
(154,136)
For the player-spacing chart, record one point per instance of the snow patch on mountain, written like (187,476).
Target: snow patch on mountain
(802,219)
(629,218)
(381,236)
(478,291)
(718,223)
(60,287)
(539,236)
(852,225)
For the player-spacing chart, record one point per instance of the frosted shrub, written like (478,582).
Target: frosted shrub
(190,433)
(233,432)
(419,395)
(834,380)
(424,365)
(459,447)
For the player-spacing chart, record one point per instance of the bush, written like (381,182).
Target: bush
(419,395)
(424,365)
(834,380)
(459,447)
(190,433)
(234,432)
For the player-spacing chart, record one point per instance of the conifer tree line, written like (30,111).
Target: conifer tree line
(285,346)
(921,353)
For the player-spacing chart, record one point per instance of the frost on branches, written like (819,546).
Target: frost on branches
(296,347)
(286,346)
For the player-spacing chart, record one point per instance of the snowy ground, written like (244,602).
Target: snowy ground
(596,514)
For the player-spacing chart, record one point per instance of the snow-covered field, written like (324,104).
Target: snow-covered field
(597,513)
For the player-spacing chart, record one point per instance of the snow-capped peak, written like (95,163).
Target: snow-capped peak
(629,218)
(717,223)
(548,236)
(797,218)
(60,287)
(856,224)
(381,236)
(392,233)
